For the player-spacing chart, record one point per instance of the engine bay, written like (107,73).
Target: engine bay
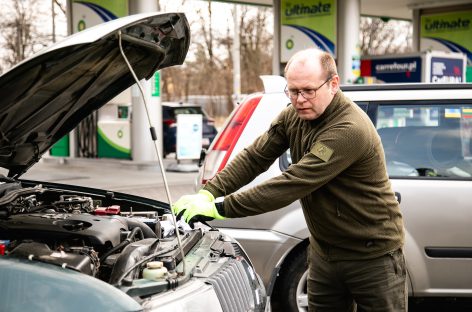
(106,237)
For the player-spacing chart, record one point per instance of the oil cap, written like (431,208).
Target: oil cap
(169,263)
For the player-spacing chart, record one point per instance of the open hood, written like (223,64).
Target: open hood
(45,97)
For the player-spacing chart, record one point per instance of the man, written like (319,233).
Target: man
(339,175)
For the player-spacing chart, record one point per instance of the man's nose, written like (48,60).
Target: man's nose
(300,97)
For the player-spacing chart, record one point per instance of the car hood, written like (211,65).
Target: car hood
(45,97)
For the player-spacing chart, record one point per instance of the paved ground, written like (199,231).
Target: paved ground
(144,179)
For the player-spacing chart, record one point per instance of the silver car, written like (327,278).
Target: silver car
(426,130)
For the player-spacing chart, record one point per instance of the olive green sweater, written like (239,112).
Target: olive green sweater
(338,172)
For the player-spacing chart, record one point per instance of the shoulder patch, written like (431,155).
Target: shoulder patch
(322,151)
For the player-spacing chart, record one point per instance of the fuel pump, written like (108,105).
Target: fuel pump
(114,128)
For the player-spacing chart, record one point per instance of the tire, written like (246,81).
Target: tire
(290,290)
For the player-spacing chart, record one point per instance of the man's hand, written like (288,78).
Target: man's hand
(198,207)
(202,196)
(201,211)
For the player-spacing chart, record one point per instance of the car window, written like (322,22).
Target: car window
(422,141)
(187,110)
(426,141)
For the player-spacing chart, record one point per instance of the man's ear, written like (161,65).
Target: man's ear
(334,84)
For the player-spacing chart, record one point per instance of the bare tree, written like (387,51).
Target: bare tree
(16,31)
(23,31)
(379,36)
(256,47)
(204,72)
(209,67)
(227,72)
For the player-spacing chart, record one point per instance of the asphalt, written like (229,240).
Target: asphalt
(143,179)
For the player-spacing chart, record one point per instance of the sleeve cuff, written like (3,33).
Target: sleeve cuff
(220,207)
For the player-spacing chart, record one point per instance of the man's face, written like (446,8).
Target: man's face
(308,76)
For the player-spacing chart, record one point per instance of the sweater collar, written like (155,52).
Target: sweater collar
(335,104)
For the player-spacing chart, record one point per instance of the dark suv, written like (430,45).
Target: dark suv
(170,110)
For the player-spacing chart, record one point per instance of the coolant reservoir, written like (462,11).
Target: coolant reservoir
(155,270)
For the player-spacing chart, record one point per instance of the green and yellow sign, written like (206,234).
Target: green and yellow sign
(86,14)
(451,31)
(306,24)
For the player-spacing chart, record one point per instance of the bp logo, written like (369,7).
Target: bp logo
(120,134)
(81,25)
(289,44)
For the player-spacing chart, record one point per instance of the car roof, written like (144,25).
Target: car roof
(408,92)
(388,92)
(179,104)
(406,86)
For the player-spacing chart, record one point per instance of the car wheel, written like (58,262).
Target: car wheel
(290,291)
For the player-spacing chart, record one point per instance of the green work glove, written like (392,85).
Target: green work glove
(179,206)
(200,210)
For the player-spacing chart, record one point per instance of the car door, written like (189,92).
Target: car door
(429,160)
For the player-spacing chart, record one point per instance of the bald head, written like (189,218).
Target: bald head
(314,58)
(312,82)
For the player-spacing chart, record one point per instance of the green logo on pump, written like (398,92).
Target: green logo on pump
(120,133)
(289,44)
(81,25)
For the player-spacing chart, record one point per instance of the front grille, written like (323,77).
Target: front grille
(233,288)
(238,251)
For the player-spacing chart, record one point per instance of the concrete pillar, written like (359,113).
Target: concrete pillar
(142,147)
(416,30)
(347,37)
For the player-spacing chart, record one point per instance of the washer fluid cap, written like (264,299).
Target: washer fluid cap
(154,274)
(154,264)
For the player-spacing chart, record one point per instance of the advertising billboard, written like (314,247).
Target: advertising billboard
(189,136)
(430,66)
(448,31)
(446,70)
(393,69)
(307,24)
(86,14)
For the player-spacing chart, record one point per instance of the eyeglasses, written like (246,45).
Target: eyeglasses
(308,94)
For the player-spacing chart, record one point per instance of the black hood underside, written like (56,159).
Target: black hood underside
(44,98)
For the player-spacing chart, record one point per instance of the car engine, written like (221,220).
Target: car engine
(73,231)
(76,232)
(126,241)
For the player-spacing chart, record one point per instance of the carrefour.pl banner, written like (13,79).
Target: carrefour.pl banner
(307,24)
(447,32)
